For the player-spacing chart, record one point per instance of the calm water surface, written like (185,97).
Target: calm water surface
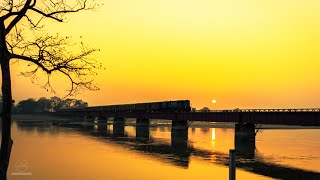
(101,152)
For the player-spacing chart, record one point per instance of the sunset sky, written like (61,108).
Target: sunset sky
(244,54)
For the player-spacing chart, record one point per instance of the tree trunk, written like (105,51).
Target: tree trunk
(6,143)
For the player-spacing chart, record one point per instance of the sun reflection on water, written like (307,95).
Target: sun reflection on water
(213,134)
(213,137)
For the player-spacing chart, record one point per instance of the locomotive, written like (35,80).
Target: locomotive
(164,106)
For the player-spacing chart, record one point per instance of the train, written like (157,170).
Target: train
(164,106)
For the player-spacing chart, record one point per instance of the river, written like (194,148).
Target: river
(44,151)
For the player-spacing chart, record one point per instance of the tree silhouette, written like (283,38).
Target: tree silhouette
(22,38)
(30,106)
(205,109)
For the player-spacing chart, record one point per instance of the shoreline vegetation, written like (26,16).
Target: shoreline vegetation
(51,119)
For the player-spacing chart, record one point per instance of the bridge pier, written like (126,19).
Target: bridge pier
(179,136)
(102,129)
(142,128)
(245,139)
(118,127)
(85,118)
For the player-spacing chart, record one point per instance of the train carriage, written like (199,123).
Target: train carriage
(164,106)
(155,107)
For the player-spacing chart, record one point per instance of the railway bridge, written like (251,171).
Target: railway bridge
(247,121)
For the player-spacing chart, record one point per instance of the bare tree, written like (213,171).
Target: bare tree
(22,39)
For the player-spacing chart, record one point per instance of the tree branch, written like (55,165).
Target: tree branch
(46,15)
(18,17)
(17,56)
(51,54)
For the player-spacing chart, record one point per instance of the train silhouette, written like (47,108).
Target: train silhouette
(164,106)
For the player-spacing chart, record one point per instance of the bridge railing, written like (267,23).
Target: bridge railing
(264,110)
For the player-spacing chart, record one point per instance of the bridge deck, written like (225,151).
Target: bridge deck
(299,117)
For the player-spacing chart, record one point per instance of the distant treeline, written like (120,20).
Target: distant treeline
(43,104)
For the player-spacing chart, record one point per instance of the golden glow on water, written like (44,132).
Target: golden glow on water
(130,131)
(61,153)
(203,138)
(302,145)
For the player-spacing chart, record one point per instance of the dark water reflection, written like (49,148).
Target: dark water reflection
(191,150)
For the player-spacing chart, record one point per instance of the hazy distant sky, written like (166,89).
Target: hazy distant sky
(243,53)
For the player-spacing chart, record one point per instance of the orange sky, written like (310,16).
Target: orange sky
(244,54)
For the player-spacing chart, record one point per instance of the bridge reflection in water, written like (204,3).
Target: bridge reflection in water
(179,151)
